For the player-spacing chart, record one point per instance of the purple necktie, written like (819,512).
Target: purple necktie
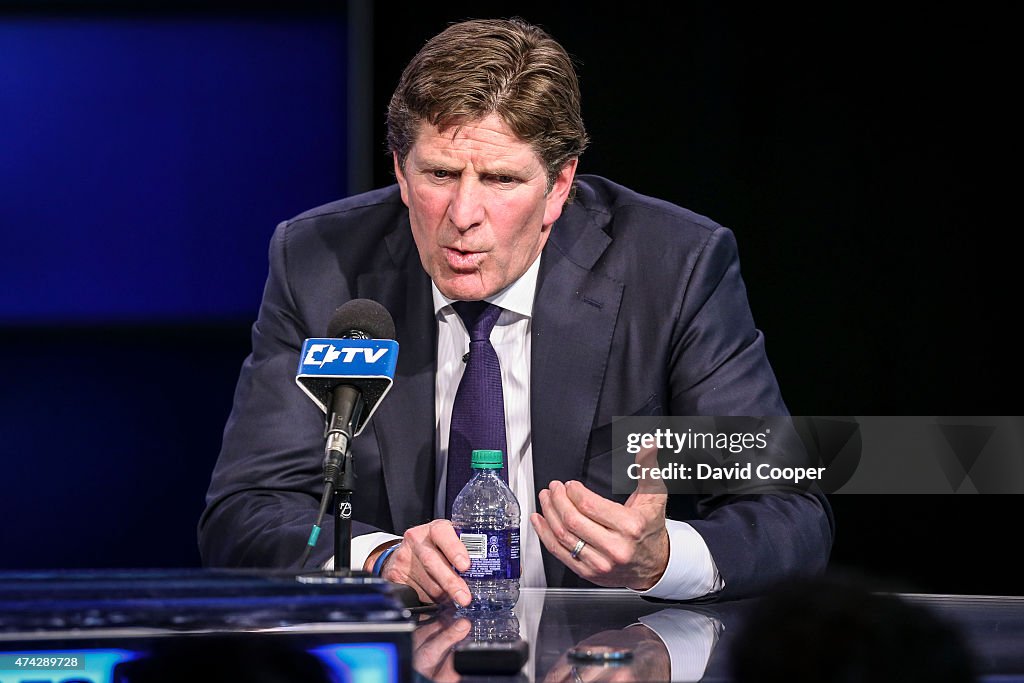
(478,414)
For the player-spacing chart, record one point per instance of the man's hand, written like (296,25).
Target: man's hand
(424,561)
(433,643)
(626,545)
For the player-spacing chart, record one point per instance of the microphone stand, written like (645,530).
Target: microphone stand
(343,517)
(347,406)
(339,473)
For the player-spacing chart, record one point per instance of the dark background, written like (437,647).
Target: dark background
(860,153)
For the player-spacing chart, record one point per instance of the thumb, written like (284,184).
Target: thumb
(649,482)
(640,499)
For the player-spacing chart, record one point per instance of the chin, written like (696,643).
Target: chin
(464,291)
(466,295)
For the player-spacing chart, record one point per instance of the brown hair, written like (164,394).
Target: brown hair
(483,66)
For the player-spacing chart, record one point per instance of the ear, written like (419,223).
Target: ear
(403,185)
(559,191)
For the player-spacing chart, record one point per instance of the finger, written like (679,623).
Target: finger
(588,564)
(448,542)
(404,566)
(454,552)
(608,513)
(565,538)
(547,537)
(426,588)
(578,524)
(449,584)
(419,563)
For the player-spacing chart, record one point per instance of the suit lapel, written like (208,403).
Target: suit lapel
(574,317)
(404,422)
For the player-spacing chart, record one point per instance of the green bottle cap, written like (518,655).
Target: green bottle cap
(487,460)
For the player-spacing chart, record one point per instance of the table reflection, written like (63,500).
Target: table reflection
(691,642)
(664,643)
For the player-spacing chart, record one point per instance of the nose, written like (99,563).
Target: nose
(466,207)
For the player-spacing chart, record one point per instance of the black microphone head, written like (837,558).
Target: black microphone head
(361,319)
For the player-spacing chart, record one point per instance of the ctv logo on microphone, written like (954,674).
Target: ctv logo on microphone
(348,358)
(331,354)
(368,364)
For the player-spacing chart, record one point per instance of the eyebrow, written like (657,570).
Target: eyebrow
(515,172)
(505,170)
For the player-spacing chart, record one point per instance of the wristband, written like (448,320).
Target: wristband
(378,566)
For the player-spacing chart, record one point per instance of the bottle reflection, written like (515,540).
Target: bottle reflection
(672,644)
(437,635)
(501,626)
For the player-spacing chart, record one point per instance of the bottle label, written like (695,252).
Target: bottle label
(493,554)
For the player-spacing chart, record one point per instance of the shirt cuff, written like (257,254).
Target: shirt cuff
(362,546)
(691,571)
(689,638)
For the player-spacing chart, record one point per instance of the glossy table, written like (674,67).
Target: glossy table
(136,626)
(139,626)
(693,642)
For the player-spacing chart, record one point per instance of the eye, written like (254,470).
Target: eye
(440,173)
(505,179)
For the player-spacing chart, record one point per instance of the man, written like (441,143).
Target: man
(607,303)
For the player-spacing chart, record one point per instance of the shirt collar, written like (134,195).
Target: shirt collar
(517,297)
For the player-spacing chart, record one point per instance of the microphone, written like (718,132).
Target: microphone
(348,373)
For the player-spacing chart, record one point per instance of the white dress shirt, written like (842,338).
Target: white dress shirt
(511,341)
(691,571)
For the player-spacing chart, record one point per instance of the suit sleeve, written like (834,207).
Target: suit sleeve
(266,485)
(719,368)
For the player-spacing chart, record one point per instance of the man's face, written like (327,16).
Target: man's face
(477,204)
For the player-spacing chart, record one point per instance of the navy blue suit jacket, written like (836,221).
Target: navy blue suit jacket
(640,310)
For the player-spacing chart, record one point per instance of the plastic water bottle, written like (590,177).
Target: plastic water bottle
(485,515)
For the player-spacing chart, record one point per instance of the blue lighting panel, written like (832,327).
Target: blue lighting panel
(361,663)
(146,160)
(349,662)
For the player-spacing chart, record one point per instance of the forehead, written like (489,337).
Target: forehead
(488,138)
